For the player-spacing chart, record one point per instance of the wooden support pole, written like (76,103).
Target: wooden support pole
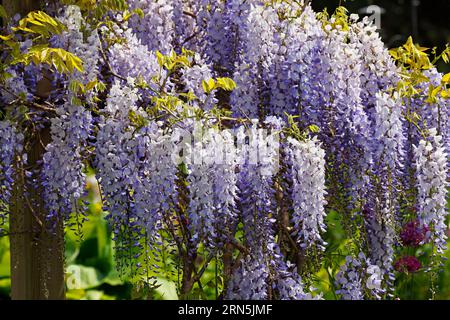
(37,254)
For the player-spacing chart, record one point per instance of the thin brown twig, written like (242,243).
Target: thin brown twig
(190,14)
(34,105)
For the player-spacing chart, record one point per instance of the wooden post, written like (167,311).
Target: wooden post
(37,255)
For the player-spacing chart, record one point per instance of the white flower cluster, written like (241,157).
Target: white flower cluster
(431,174)
(308,192)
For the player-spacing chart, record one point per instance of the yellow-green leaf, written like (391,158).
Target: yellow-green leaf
(3,13)
(446,78)
(208,85)
(226,84)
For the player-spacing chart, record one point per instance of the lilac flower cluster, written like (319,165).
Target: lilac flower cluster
(361,158)
(11,146)
(155,29)
(431,169)
(133,59)
(63,178)
(308,174)
(357,279)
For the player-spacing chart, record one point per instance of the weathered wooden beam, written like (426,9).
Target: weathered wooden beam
(37,254)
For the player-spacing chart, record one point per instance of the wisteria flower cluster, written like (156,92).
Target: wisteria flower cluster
(234,132)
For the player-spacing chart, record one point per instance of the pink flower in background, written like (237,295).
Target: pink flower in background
(407,264)
(414,234)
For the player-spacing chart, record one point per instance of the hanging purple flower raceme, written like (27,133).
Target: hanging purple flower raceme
(219,22)
(192,80)
(62,173)
(156,28)
(428,114)
(117,168)
(249,281)
(358,279)
(249,99)
(15,88)
(212,181)
(308,192)
(287,47)
(258,158)
(200,164)
(185,23)
(81,40)
(378,69)
(155,190)
(431,176)
(435,114)
(225,186)
(308,68)
(11,146)
(389,138)
(84,42)
(349,124)
(382,211)
(63,178)
(289,284)
(134,59)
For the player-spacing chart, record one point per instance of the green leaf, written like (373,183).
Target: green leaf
(91,85)
(160,58)
(40,23)
(3,13)
(6,38)
(62,60)
(82,277)
(208,85)
(166,290)
(313,128)
(139,12)
(226,84)
(446,78)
